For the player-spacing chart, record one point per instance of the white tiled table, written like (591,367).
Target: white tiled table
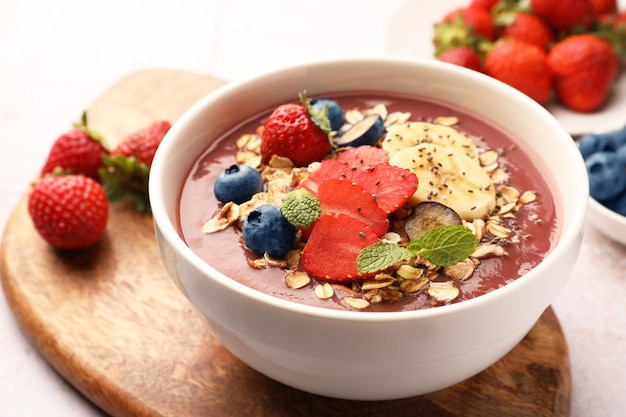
(57,57)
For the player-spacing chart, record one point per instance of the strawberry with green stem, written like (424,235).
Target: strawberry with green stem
(297,131)
(584,67)
(77,151)
(126,171)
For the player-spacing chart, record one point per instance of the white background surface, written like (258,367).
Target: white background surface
(57,57)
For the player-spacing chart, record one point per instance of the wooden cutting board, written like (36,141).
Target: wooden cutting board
(109,320)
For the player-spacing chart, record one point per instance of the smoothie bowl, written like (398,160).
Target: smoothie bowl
(408,303)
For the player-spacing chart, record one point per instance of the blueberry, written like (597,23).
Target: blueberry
(617,204)
(619,136)
(607,176)
(335,113)
(237,183)
(365,132)
(265,230)
(621,153)
(596,142)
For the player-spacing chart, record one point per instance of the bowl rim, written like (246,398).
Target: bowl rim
(567,237)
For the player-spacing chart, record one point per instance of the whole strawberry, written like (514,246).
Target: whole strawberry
(126,171)
(463,56)
(530,28)
(475,18)
(584,68)
(297,132)
(68,211)
(143,143)
(466,26)
(604,7)
(521,65)
(565,15)
(78,151)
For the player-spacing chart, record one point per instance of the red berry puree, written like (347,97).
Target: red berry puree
(535,227)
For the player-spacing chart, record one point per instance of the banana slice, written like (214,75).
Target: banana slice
(450,177)
(409,134)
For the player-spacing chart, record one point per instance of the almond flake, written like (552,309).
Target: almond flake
(377,283)
(443,292)
(412,286)
(357,303)
(228,215)
(487,250)
(296,280)
(528,197)
(488,158)
(324,291)
(462,270)
(447,120)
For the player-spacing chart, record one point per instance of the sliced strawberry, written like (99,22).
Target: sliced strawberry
(390,185)
(329,169)
(362,156)
(345,197)
(334,245)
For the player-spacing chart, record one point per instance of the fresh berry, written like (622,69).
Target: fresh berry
(584,68)
(607,175)
(530,28)
(341,196)
(477,19)
(390,185)
(621,154)
(596,142)
(329,169)
(126,170)
(265,230)
(237,183)
(334,112)
(296,132)
(68,211)
(617,204)
(604,7)
(521,65)
(426,216)
(334,245)
(565,15)
(485,4)
(143,143)
(78,151)
(366,131)
(362,157)
(463,56)
(466,26)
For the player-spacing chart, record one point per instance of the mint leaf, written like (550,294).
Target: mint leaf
(381,256)
(445,245)
(301,208)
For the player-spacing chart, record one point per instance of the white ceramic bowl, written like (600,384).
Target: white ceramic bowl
(610,223)
(368,356)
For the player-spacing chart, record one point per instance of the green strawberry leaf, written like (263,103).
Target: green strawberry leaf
(445,245)
(301,208)
(320,118)
(381,256)
(126,179)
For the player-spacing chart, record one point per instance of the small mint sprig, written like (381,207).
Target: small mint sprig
(301,208)
(442,246)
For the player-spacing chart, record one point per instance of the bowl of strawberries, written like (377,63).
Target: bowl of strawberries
(564,54)
(369,228)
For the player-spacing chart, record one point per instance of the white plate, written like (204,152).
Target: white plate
(410,31)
